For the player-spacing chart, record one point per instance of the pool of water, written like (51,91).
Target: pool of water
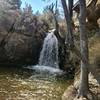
(24,84)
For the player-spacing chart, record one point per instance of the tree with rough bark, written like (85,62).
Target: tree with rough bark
(68,17)
(84,84)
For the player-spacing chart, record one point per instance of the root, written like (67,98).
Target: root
(86,96)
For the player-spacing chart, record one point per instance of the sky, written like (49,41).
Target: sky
(37,5)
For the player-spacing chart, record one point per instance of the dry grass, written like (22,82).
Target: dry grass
(94,50)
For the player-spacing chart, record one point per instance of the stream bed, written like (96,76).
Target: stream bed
(24,84)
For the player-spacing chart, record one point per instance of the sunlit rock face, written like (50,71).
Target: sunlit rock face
(9,11)
(21,33)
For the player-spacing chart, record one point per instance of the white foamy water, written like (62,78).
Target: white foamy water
(46,69)
(49,53)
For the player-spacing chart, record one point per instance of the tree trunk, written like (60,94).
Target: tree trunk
(68,17)
(84,85)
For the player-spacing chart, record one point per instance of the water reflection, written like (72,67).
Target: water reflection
(24,84)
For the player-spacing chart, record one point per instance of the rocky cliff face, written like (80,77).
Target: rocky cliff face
(21,34)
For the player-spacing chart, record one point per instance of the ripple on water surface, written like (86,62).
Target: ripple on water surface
(21,84)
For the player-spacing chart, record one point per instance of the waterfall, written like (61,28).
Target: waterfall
(48,61)
(49,53)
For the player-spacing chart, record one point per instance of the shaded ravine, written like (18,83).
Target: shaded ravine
(40,82)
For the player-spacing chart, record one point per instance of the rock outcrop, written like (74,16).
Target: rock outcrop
(21,34)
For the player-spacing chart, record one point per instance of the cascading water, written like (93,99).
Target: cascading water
(49,53)
(48,61)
